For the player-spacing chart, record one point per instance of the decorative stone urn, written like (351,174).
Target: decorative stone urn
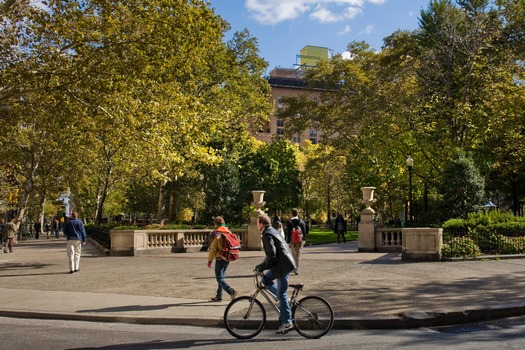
(258,202)
(368,197)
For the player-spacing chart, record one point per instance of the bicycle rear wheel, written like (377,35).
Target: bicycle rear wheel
(313,317)
(244,317)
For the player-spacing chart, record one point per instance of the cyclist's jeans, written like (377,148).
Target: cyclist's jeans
(220,270)
(282,295)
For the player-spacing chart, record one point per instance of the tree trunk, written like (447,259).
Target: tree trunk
(160,205)
(172,215)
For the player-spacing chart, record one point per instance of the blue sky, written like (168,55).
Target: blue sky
(284,27)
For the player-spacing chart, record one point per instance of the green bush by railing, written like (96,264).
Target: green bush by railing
(492,233)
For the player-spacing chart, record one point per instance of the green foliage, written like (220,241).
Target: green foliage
(460,247)
(273,168)
(462,187)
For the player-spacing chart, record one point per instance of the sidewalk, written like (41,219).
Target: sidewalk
(366,290)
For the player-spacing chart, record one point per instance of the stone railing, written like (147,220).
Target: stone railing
(388,239)
(145,242)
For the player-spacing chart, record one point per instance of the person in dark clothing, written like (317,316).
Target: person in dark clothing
(38,229)
(279,262)
(340,228)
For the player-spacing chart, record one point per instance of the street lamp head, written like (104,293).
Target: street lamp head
(410,161)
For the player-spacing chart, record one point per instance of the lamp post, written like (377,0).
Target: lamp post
(410,163)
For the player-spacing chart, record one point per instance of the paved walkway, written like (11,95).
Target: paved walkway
(366,290)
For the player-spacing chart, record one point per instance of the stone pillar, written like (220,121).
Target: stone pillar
(254,235)
(366,227)
(422,244)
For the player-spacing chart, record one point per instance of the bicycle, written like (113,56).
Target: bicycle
(245,316)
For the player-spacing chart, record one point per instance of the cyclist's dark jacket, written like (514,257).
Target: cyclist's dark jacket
(278,257)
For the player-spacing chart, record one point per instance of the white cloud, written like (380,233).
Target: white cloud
(324,16)
(368,30)
(352,12)
(324,11)
(346,55)
(345,30)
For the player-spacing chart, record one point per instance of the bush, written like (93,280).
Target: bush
(460,247)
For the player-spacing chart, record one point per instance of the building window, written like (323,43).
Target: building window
(280,131)
(280,123)
(297,139)
(279,104)
(265,128)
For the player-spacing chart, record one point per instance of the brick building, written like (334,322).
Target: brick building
(288,82)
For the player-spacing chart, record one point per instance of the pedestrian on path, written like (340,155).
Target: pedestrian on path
(296,244)
(8,235)
(221,264)
(38,229)
(47,229)
(55,227)
(279,262)
(276,224)
(340,228)
(75,233)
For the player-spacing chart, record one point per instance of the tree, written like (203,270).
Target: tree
(138,87)
(273,168)
(462,187)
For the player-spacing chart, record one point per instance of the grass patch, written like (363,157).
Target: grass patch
(320,236)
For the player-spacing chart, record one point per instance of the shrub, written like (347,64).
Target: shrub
(460,247)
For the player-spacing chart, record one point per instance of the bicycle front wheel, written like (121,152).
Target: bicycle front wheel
(244,317)
(313,317)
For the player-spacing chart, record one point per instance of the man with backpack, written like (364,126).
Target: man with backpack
(224,248)
(295,236)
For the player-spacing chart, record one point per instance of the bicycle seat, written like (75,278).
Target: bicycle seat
(296,286)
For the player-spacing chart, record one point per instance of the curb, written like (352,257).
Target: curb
(406,320)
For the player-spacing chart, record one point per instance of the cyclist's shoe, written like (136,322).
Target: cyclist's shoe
(216,299)
(284,328)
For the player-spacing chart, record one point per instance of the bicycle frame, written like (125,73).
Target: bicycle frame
(269,296)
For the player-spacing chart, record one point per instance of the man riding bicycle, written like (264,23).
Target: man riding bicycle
(279,262)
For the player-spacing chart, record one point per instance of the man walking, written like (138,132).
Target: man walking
(8,234)
(75,233)
(294,238)
(279,262)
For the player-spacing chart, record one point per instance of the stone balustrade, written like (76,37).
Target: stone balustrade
(388,239)
(145,242)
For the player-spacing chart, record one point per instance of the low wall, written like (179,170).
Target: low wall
(422,244)
(147,242)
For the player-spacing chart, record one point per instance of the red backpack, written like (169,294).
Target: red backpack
(230,246)
(297,234)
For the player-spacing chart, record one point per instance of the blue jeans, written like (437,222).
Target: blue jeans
(282,295)
(220,271)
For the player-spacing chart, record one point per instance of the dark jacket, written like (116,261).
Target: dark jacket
(74,229)
(290,226)
(278,256)
(336,224)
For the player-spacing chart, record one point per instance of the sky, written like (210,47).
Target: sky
(284,27)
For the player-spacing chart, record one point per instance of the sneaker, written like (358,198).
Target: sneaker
(216,299)
(234,294)
(284,328)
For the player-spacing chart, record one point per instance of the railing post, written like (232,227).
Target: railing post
(254,235)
